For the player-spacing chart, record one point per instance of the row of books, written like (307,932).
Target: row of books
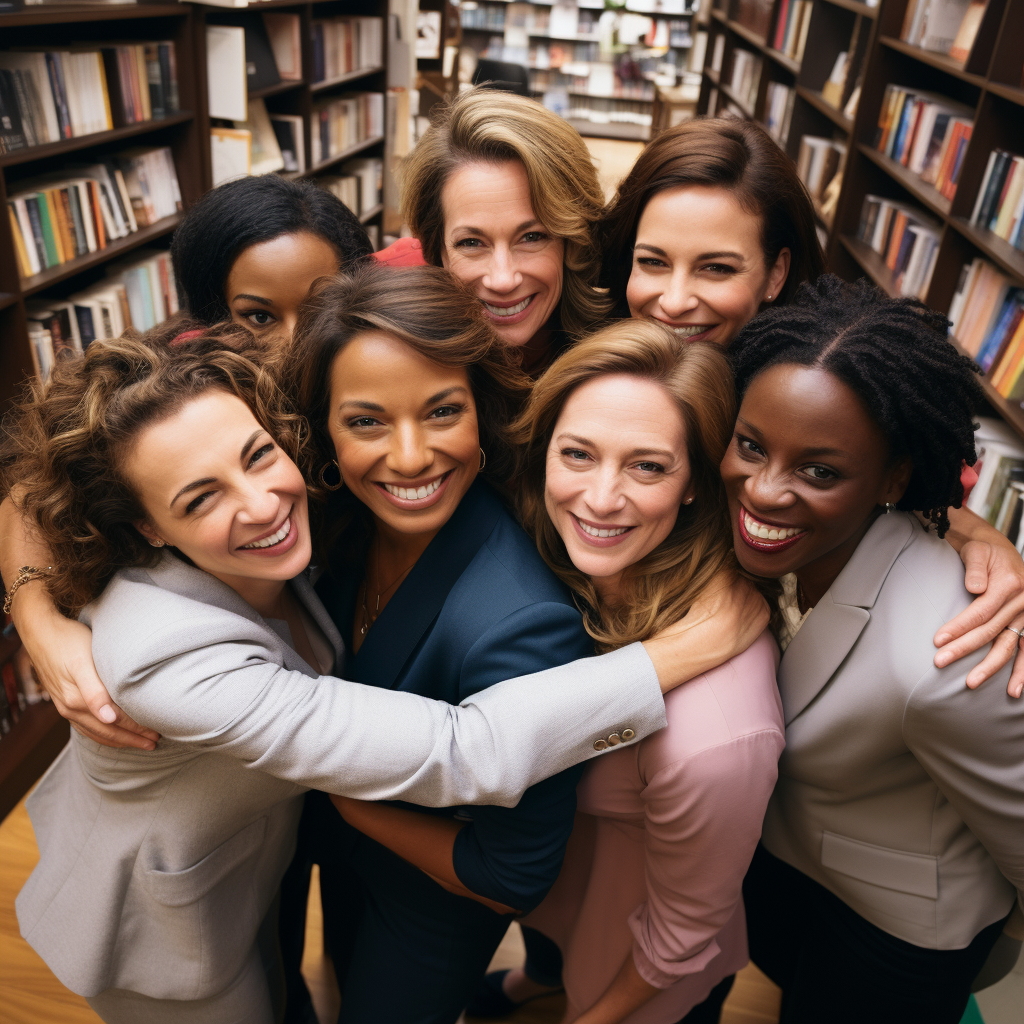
(778,110)
(49,95)
(139,292)
(905,237)
(818,162)
(345,44)
(598,111)
(926,133)
(592,85)
(1000,204)
(986,319)
(338,124)
(561,21)
(791,27)
(943,26)
(358,185)
(82,209)
(262,144)
(491,19)
(998,496)
(744,76)
(20,689)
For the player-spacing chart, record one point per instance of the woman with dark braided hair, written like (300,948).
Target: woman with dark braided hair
(891,854)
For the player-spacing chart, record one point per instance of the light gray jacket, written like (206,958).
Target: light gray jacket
(157,868)
(899,790)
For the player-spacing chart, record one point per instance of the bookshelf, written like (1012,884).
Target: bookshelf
(39,732)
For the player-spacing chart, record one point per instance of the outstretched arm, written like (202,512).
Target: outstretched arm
(995,572)
(60,648)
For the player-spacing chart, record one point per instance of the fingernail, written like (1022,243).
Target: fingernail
(1019,690)
(107,714)
(942,639)
(942,660)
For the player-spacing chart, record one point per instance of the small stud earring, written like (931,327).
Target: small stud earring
(687,501)
(156,543)
(889,507)
(769,298)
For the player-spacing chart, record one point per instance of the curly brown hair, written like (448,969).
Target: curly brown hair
(494,127)
(64,448)
(660,588)
(436,316)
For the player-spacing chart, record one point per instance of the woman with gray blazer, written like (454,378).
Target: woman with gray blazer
(164,485)
(893,845)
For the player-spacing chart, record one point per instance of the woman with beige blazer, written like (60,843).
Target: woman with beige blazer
(164,485)
(893,846)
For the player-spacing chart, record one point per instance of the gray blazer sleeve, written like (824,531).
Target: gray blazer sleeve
(232,696)
(971,742)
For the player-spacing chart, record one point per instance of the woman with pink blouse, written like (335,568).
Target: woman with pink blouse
(620,489)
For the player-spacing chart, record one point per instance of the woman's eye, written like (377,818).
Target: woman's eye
(821,473)
(196,502)
(445,411)
(259,317)
(363,421)
(650,467)
(719,268)
(534,236)
(260,453)
(468,243)
(575,454)
(748,447)
(649,261)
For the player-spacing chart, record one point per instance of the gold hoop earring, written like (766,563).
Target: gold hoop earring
(323,475)
(483,459)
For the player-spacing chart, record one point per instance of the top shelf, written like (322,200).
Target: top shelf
(748,35)
(935,60)
(864,10)
(50,15)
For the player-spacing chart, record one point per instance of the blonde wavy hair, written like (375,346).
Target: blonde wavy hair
(64,450)
(486,125)
(659,588)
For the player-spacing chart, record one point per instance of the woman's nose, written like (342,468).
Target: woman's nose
(502,275)
(679,296)
(768,490)
(604,496)
(409,454)
(260,506)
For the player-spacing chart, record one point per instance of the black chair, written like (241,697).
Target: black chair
(498,74)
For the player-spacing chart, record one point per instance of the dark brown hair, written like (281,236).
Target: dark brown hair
(64,449)
(431,312)
(727,153)
(660,588)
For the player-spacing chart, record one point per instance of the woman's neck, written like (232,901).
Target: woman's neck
(265,596)
(817,577)
(536,353)
(609,590)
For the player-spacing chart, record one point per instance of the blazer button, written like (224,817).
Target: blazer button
(613,739)
(601,745)
(627,734)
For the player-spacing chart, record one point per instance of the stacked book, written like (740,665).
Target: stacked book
(999,207)
(82,209)
(338,124)
(791,26)
(943,26)
(343,45)
(139,293)
(778,110)
(906,238)
(926,133)
(818,162)
(998,496)
(358,185)
(986,315)
(46,96)
(755,15)
(746,74)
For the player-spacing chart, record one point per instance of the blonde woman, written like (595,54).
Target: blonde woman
(620,491)
(503,193)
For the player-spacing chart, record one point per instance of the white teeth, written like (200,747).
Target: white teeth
(508,310)
(689,332)
(763,532)
(275,538)
(412,493)
(593,531)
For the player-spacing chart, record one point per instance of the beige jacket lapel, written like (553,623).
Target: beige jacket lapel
(839,618)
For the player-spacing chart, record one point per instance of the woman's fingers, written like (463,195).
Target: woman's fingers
(996,575)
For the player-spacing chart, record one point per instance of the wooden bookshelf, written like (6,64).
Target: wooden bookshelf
(40,733)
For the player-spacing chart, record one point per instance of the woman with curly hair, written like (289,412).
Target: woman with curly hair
(891,849)
(165,484)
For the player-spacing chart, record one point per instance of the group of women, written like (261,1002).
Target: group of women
(551,460)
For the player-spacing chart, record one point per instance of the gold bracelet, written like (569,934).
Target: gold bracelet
(26,575)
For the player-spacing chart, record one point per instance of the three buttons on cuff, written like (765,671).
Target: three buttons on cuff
(614,739)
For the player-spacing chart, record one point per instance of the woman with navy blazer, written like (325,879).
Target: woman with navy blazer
(442,594)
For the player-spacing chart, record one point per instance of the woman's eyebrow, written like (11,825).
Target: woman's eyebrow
(358,404)
(253,298)
(191,487)
(650,248)
(446,393)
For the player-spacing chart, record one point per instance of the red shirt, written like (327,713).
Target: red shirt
(406,252)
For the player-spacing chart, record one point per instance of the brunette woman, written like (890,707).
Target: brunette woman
(503,193)
(892,843)
(621,443)
(713,224)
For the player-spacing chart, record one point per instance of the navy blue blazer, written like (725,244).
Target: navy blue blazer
(479,606)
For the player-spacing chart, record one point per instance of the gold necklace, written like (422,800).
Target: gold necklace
(368,621)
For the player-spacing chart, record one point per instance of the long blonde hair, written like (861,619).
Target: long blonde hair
(491,126)
(658,589)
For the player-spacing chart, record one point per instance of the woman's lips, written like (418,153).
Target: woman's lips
(280,544)
(413,497)
(689,332)
(590,533)
(498,313)
(757,534)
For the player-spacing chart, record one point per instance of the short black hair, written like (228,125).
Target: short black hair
(895,356)
(245,212)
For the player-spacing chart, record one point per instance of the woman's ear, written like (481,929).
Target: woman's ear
(149,533)
(898,481)
(777,275)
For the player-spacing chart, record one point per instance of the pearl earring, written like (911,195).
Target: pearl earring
(687,501)
(156,543)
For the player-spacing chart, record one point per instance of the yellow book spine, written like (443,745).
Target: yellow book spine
(19,245)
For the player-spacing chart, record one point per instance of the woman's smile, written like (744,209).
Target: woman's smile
(274,542)
(602,535)
(416,494)
(510,312)
(765,535)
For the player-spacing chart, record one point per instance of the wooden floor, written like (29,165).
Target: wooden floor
(30,994)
